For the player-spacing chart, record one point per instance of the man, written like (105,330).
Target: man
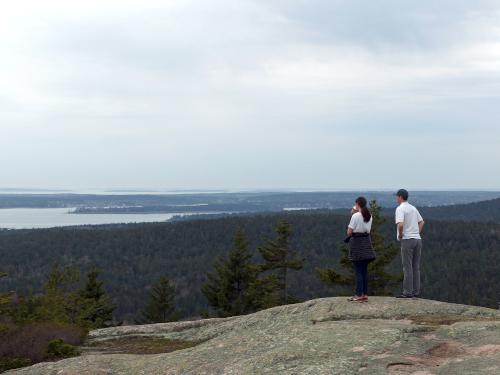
(409,227)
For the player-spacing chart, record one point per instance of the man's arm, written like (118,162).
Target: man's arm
(421,222)
(421,226)
(400,218)
(400,231)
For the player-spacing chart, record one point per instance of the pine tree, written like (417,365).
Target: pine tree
(161,305)
(231,288)
(265,291)
(280,258)
(60,302)
(24,309)
(98,307)
(380,281)
(332,277)
(5,298)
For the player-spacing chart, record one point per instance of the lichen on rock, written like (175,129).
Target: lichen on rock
(323,336)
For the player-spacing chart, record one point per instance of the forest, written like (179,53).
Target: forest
(484,211)
(460,262)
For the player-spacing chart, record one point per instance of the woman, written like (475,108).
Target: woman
(360,247)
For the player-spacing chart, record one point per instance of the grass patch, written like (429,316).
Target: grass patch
(141,345)
(448,319)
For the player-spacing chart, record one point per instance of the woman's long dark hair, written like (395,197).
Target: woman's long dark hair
(365,212)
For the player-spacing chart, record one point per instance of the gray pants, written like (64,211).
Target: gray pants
(411,252)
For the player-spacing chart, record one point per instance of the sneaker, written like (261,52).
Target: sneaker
(404,296)
(357,299)
(365,297)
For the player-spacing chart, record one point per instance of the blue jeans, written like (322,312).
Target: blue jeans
(361,274)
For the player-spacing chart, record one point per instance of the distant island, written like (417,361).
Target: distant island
(225,202)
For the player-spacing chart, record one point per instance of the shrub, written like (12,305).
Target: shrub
(59,349)
(12,363)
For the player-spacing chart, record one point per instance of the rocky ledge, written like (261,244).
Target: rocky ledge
(322,336)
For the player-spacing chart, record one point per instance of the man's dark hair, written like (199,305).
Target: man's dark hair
(403,194)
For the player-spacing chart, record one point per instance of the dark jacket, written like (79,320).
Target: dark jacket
(360,247)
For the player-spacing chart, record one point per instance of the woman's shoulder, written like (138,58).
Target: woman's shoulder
(356,215)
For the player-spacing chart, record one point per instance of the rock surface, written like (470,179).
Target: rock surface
(323,336)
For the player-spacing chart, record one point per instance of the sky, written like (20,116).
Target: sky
(247,94)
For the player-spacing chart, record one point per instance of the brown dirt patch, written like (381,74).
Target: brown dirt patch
(438,355)
(139,345)
(447,319)
(483,350)
(446,350)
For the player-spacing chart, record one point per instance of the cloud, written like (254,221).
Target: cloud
(247,93)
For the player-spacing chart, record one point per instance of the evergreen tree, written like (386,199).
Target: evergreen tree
(24,309)
(279,257)
(331,277)
(60,302)
(5,298)
(98,307)
(265,292)
(380,281)
(231,289)
(161,305)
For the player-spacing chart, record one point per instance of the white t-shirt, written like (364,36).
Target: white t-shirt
(358,225)
(410,217)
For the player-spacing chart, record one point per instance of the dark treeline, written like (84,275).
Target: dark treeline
(485,211)
(460,261)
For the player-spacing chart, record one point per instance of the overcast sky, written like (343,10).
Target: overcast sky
(241,94)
